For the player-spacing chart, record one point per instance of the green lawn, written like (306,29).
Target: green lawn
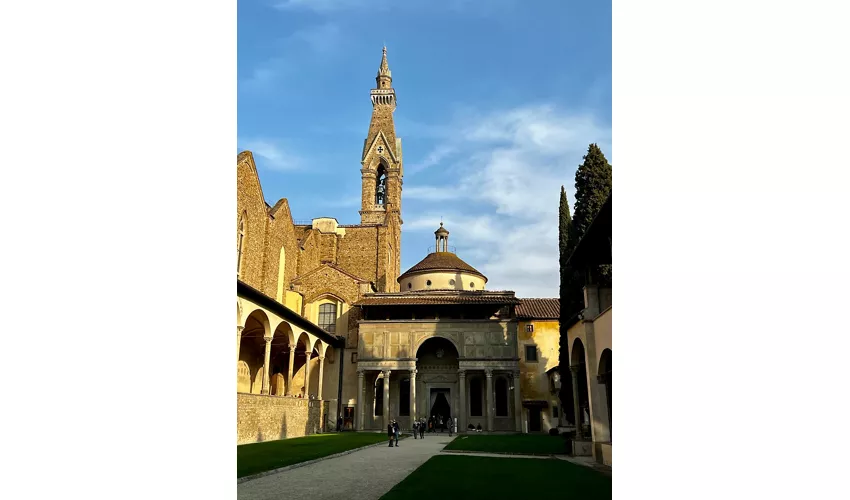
(464,477)
(538,444)
(270,455)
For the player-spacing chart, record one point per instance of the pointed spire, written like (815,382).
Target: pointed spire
(385,67)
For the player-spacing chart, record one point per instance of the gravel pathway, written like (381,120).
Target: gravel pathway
(363,475)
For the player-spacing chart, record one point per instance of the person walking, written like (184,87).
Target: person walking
(422,429)
(415,429)
(450,425)
(390,433)
(395,429)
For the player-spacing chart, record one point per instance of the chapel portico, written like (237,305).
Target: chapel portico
(442,344)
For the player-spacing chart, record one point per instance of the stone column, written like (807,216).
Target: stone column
(266,367)
(412,396)
(361,404)
(386,397)
(489,373)
(307,377)
(517,401)
(291,366)
(238,340)
(461,421)
(321,374)
(576,408)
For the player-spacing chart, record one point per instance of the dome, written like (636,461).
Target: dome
(442,271)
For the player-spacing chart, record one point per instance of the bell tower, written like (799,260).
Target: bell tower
(381,172)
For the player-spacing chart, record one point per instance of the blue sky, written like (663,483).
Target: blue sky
(497,102)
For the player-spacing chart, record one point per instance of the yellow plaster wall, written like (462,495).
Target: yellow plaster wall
(534,380)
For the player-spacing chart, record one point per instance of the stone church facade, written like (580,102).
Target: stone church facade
(331,333)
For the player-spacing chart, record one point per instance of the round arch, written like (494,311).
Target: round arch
(283,332)
(577,353)
(435,336)
(252,348)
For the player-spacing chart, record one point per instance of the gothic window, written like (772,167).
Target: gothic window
(327,317)
(501,397)
(381,186)
(240,241)
(475,396)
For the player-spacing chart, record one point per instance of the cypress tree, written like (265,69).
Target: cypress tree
(593,186)
(567,303)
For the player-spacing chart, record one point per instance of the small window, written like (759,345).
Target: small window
(531,353)
(471,284)
(451,282)
(409,285)
(327,317)
(428,283)
(554,412)
(529,328)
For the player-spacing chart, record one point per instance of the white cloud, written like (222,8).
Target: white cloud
(505,221)
(268,154)
(433,158)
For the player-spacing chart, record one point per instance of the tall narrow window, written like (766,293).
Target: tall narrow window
(475,406)
(381,186)
(501,397)
(327,317)
(379,397)
(404,398)
(240,240)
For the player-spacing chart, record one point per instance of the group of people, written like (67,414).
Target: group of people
(392,432)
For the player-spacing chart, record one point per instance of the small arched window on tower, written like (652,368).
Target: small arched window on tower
(240,242)
(381,186)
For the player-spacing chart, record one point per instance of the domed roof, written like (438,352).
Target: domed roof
(441,261)
(442,230)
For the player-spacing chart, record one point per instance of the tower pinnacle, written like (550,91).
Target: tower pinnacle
(385,76)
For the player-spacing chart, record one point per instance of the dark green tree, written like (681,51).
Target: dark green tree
(593,186)
(568,303)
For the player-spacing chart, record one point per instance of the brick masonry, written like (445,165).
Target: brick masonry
(267,418)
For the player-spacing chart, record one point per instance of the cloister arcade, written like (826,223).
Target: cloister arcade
(275,359)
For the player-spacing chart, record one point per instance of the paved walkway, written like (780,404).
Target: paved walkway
(363,475)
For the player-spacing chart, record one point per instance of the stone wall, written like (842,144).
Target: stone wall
(401,339)
(268,418)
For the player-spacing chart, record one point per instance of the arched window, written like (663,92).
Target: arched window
(501,397)
(240,241)
(281,276)
(381,186)
(327,317)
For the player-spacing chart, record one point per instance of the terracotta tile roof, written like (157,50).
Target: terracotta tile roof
(442,261)
(539,309)
(436,297)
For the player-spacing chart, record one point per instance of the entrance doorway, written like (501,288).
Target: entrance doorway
(534,420)
(440,407)
(348,418)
